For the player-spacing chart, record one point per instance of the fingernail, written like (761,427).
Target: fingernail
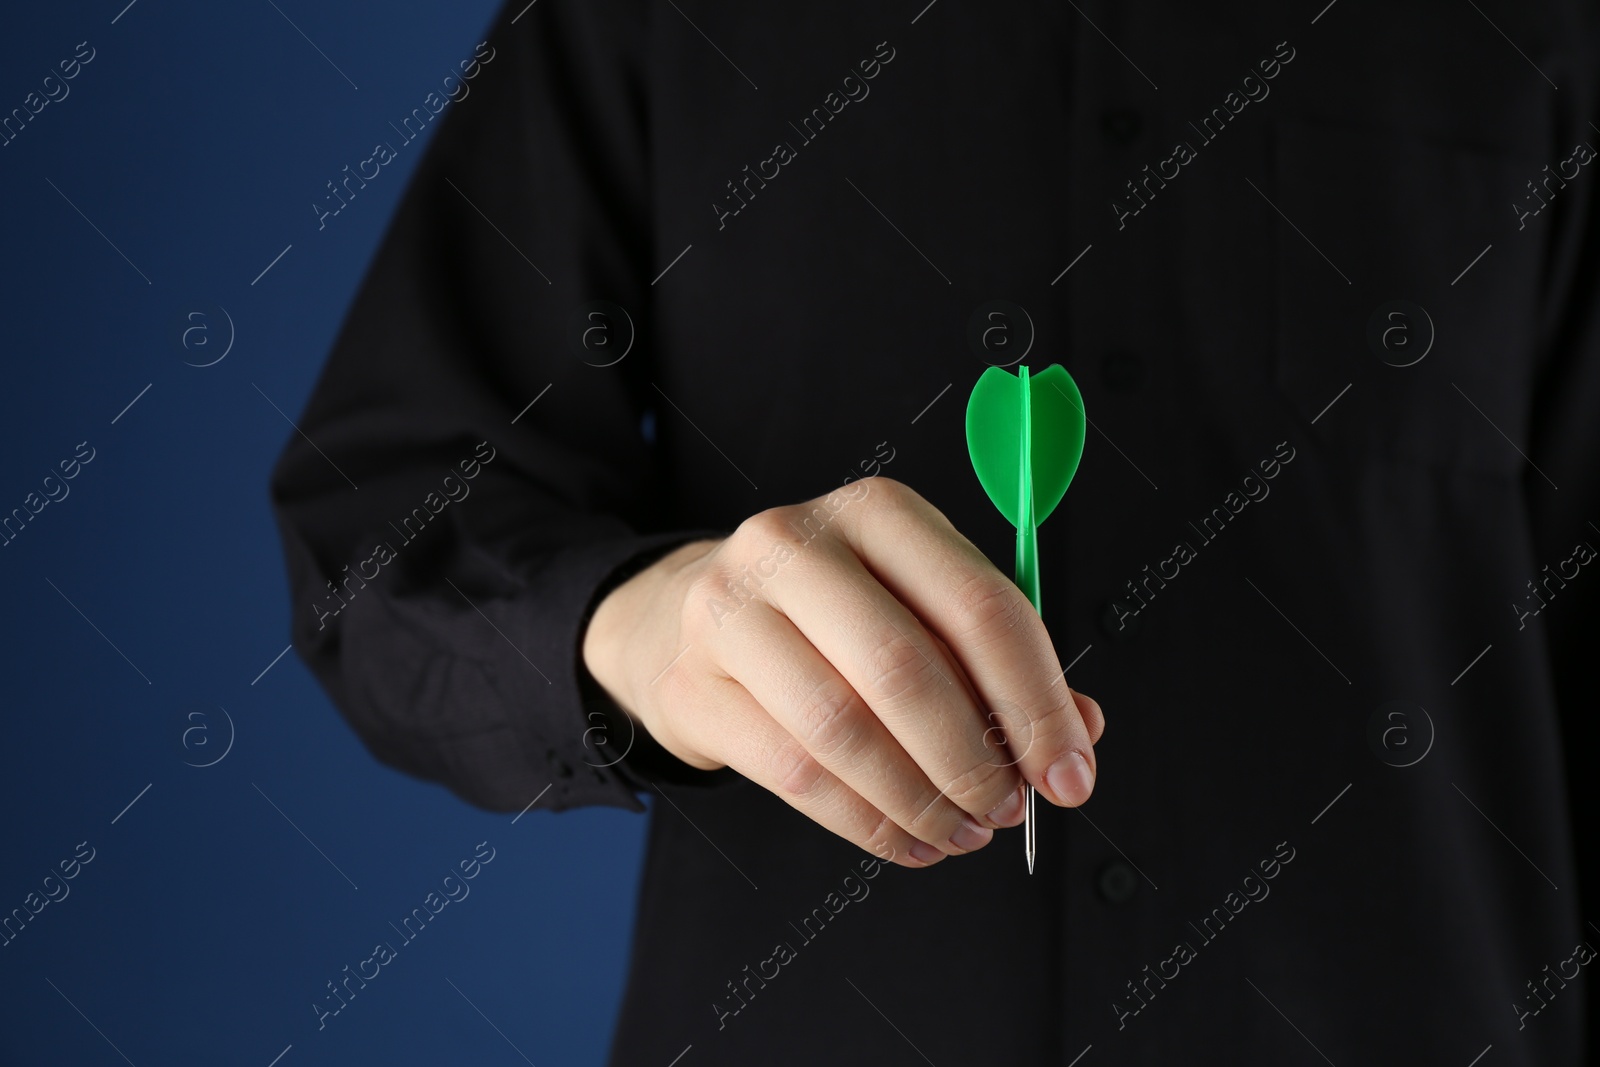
(923,852)
(970,835)
(1009,813)
(1070,778)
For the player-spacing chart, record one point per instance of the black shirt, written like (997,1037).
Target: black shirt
(1327,280)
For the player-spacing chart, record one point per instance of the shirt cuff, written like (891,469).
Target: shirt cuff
(593,748)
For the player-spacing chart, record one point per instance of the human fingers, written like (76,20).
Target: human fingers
(899,674)
(809,698)
(995,635)
(732,725)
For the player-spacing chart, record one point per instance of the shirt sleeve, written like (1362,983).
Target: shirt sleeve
(463,486)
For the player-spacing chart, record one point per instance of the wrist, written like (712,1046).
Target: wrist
(632,620)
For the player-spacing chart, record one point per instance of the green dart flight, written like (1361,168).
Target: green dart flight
(1025,436)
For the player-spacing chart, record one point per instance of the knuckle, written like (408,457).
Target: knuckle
(889,490)
(898,669)
(1055,730)
(761,530)
(804,523)
(710,582)
(933,821)
(890,494)
(883,837)
(737,573)
(883,492)
(998,742)
(941,813)
(830,719)
(1008,738)
(987,608)
(982,786)
(709,598)
(797,773)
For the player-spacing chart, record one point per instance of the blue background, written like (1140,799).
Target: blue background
(206,925)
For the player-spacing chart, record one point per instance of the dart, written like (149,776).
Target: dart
(1025,437)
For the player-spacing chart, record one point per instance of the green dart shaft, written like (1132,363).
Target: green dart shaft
(1027,567)
(1027,528)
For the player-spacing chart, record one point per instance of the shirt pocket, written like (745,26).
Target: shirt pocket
(1401,274)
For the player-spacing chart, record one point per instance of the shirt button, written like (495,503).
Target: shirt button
(1122,372)
(1117,882)
(1118,621)
(1120,126)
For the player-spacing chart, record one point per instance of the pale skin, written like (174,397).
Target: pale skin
(859,658)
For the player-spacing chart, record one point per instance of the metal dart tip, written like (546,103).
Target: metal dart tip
(1029,842)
